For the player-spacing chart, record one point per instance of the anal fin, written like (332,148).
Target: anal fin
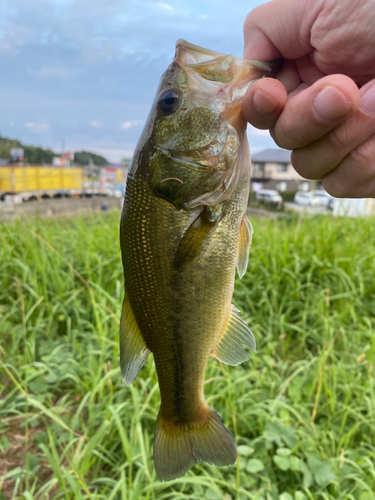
(246,233)
(133,349)
(229,349)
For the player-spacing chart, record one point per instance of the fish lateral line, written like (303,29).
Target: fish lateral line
(189,177)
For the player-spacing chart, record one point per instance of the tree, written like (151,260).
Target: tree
(32,154)
(87,158)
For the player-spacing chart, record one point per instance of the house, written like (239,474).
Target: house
(272,169)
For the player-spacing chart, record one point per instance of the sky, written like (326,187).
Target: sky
(81,74)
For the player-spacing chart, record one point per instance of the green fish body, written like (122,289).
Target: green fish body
(183,233)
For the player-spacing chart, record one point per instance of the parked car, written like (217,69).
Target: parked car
(269,197)
(116,190)
(306,198)
(14,199)
(325,199)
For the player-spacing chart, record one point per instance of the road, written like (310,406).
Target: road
(307,209)
(59,207)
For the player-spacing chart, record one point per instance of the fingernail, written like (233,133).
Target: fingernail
(367,100)
(331,104)
(263,103)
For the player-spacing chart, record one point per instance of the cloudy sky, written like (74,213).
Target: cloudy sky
(83,72)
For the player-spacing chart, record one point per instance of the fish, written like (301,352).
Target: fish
(183,233)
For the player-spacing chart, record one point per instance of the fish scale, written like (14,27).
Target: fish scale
(161,296)
(183,232)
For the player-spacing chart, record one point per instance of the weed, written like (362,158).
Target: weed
(302,409)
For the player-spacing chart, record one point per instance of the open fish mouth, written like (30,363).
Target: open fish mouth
(184,230)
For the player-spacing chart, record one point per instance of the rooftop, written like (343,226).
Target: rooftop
(272,156)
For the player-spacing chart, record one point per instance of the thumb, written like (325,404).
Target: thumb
(281,28)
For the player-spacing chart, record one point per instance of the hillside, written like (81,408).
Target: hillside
(36,154)
(32,154)
(87,158)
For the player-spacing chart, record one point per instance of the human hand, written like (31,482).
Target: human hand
(315,106)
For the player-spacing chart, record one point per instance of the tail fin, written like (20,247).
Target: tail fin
(177,447)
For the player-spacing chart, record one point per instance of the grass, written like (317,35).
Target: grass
(302,409)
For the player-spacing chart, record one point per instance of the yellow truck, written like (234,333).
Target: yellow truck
(46,182)
(34,182)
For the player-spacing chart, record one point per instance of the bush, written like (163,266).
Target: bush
(288,195)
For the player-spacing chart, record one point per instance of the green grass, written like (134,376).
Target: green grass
(302,410)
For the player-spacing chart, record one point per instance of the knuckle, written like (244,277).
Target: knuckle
(355,175)
(286,135)
(364,155)
(292,131)
(338,139)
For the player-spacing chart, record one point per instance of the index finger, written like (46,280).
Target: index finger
(281,28)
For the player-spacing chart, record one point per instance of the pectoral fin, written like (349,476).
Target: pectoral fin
(229,349)
(133,349)
(246,233)
(195,238)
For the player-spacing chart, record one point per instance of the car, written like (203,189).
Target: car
(115,190)
(307,198)
(325,199)
(13,199)
(269,197)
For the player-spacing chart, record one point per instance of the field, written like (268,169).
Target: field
(302,409)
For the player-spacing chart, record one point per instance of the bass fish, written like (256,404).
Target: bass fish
(183,232)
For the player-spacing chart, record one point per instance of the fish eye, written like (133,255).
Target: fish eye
(169,100)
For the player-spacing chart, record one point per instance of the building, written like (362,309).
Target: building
(354,207)
(272,169)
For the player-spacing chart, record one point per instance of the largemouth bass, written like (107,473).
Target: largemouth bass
(183,233)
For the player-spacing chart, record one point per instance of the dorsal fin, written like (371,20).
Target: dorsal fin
(229,349)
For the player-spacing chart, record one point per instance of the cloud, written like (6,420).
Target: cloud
(127,125)
(257,149)
(164,6)
(102,59)
(114,155)
(96,124)
(61,72)
(256,131)
(38,128)
(13,33)
(6,49)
